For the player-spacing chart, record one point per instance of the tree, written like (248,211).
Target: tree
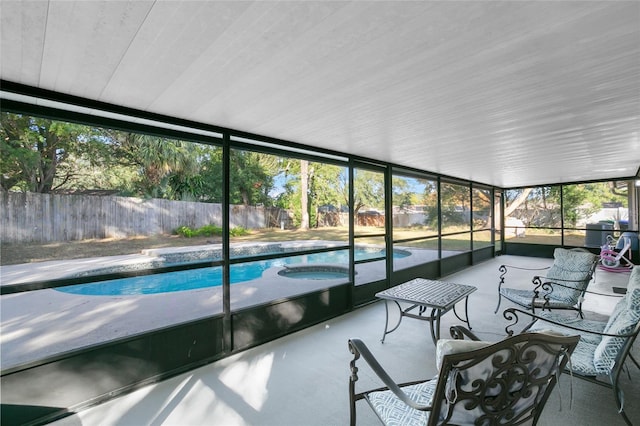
(325,187)
(368,190)
(517,202)
(304,194)
(37,152)
(166,168)
(252,176)
(402,195)
(540,206)
(582,200)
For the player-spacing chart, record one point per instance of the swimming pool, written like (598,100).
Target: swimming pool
(212,277)
(314,272)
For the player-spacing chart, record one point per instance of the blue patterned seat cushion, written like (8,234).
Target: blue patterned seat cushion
(394,412)
(595,354)
(570,265)
(525,297)
(582,360)
(596,326)
(606,352)
(521,297)
(623,320)
(582,357)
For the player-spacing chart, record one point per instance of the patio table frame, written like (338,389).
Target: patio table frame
(424,294)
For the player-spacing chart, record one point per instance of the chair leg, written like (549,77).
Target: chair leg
(626,419)
(634,360)
(619,397)
(353,378)
(499,301)
(352,407)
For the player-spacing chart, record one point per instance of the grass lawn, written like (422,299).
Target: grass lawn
(15,253)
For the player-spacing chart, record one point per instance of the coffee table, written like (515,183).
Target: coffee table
(439,296)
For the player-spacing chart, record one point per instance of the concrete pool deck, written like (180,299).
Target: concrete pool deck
(43,323)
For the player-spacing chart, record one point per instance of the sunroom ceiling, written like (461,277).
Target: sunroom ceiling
(503,93)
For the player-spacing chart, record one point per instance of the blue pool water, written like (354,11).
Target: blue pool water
(210,277)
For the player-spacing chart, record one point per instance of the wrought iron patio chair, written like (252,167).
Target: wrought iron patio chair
(563,287)
(604,347)
(504,383)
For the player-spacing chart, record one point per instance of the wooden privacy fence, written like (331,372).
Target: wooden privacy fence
(34,217)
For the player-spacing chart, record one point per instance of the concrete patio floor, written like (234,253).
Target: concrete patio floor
(301,379)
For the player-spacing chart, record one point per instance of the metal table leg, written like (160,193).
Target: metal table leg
(436,314)
(466,312)
(386,324)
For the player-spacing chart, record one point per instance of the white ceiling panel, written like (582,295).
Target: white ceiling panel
(503,93)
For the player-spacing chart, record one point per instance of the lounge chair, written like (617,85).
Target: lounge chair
(563,287)
(504,383)
(604,346)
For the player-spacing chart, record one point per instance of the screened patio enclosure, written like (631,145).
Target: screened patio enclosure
(183,181)
(256,273)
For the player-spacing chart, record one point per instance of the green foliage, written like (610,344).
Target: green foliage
(369,190)
(38,154)
(252,177)
(326,185)
(238,231)
(203,231)
(540,206)
(209,231)
(185,231)
(165,168)
(455,204)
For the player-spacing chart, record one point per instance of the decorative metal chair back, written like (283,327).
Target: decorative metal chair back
(505,383)
(479,383)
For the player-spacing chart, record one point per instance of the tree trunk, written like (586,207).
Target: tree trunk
(517,202)
(304,190)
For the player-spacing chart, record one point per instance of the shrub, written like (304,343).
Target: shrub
(238,231)
(209,231)
(185,231)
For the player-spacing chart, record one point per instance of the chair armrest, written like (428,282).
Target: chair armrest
(503,269)
(546,284)
(551,281)
(511,314)
(597,293)
(458,332)
(358,348)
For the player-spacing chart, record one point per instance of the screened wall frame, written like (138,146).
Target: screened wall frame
(374,202)
(276,150)
(419,180)
(221,331)
(591,234)
(482,216)
(212,135)
(455,205)
(63,112)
